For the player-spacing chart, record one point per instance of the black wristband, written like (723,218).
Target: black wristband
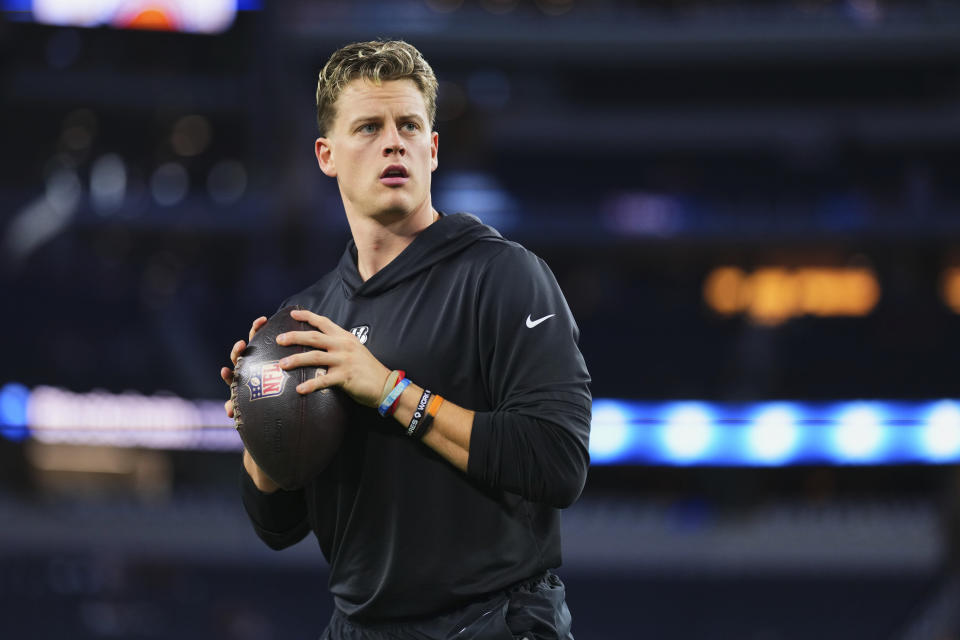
(425,425)
(417,422)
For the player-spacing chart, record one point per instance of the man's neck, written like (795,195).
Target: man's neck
(379,242)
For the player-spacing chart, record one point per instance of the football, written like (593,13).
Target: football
(291,436)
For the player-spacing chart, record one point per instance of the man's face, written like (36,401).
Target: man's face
(381,149)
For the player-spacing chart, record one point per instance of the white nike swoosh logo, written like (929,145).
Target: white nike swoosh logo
(532,323)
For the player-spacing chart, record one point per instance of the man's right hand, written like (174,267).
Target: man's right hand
(226,372)
(259,478)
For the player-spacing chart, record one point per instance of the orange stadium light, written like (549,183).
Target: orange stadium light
(950,288)
(152,19)
(722,289)
(195,16)
(772,295)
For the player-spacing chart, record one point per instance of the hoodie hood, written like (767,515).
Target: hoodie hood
(447,236)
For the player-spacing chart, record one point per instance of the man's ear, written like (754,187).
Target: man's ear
(325,157)
(434,149)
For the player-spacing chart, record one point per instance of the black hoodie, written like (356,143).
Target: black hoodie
(481,321)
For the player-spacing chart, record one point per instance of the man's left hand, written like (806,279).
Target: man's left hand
(350,365)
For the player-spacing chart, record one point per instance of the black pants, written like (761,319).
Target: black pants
(532,610)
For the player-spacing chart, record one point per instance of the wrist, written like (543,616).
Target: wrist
(394,387)
(260,480)
(423,414)
(407,404)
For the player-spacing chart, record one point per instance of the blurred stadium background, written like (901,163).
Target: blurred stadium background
(752,207)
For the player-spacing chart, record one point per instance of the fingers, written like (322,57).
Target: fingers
(259,322)
(351,366)
(238,348)
(226,373)
(322,380)
(315,358)
(313,339)
(323,323)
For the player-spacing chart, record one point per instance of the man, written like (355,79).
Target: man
(451,532)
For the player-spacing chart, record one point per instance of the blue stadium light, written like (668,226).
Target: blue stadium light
(610,432)
(859,435)
(775,433)
(13,411)
(688,432)
(774,436)
(940,437)
(764,434)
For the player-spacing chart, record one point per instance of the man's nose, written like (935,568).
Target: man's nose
(392,142)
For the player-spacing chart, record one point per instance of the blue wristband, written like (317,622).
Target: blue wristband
(392,396)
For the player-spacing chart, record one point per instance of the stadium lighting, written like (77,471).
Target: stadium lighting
(13,411)
(773,436)
(688,432)
(941,435)
(623,432)
(610,433)
(858,435)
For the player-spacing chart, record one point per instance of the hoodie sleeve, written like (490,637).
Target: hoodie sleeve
(279,518)
(535,441)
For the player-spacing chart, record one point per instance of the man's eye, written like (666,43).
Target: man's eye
(368,128)
(411,127)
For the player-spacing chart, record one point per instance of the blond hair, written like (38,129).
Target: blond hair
(376,61)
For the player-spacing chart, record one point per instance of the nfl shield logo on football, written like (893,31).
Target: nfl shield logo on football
(269,382)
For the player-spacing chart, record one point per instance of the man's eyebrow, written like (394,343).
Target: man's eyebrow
(375,118)
(361,119)
(411,116)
